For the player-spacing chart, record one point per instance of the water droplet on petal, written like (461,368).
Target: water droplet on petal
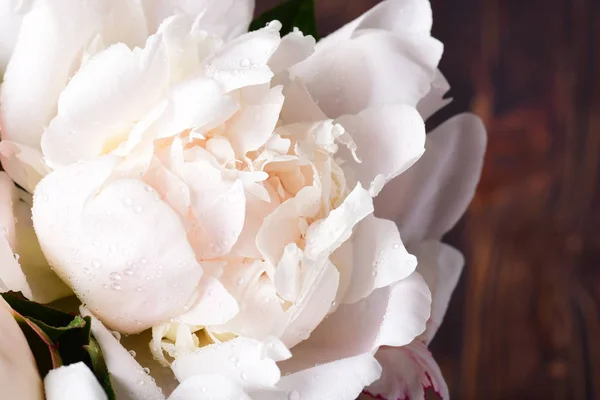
(203,389)
(139,288)
(233,359)
(127,201)
(132,353)
(115,286)
(146,370)
(116,334)
(240,281)
(96,263)
(245,63)
(294,395)
(115,276)
(144,261)
(244,376)
(138,209)
(396,246)
(140,382)
(128,272)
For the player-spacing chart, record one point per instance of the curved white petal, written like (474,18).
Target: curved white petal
(243,61)
(104,99)
(390,316)
(408,372)
(128,378)
(427,200)
(19,377)
(53,38)
(24,164)
(401,17)
(208,387)
(342,379)
(249,363)
(380,258)
(119,246)
(294,47)
(215,305)
(441,266)
(434,100)
(389,140)
(373,69)
(11,15)
(73,382)
(224,18)
(255,122)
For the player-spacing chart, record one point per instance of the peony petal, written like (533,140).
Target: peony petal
(390,316)
(373,69)
(260,306)
(428,199)
(243,361)
(243,61)
(281,227)
(434,100)
(128,378)
(441,266)
(255,122)
(287,275)
(208,387)
(19,377)
(402,17)
(123,250)
(389,140)
(48,51)
(380,258)
(316,297)
(45,285)
(342,379)
(299,106)
(214,306)
(24,164)
(73,382)
(225,18)
(294,47)
(407,373)
(11,15)
(325,236)
(104,99)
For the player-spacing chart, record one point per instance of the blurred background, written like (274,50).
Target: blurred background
(524,322)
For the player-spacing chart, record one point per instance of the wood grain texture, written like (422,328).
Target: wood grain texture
(524,322)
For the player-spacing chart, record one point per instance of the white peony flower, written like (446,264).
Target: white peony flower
(216,187)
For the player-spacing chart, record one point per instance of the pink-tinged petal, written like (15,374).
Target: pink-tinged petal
(19,377)
(251,127)
(209,387)
(48,51)
(73,382)
(427,200)
(127,376)
(316,296)
(341,379)
(401,17)
(299,106)
(11,15)
(294,47)
(260,304)
(24,164)
(373,69)
(281,227)
(390,316)
(215,305)
(380,258)
(434,100)
(389,140)
(325,236)
(103,101)
(119,246)
(243,61)
(218,209)
(224,18)
(408,372)
(196,103)
(249,363)
(441,266)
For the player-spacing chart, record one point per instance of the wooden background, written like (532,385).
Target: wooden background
(524,322)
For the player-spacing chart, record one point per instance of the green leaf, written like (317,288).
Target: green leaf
(57,338)
(291,13)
